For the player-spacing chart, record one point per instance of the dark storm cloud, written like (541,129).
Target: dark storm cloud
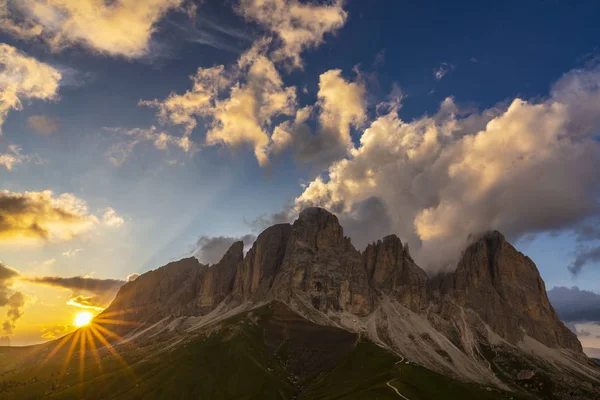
(210,249)
(575,305)
(584,256)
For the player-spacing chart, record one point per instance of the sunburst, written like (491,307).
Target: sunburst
(92,336)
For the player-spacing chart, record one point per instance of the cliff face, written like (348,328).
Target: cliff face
(505,289)
(262,263)
(391,270)
(322,267)
(314,262)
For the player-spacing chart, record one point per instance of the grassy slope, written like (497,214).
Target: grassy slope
(236,364)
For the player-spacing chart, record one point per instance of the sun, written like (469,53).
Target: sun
(83,318)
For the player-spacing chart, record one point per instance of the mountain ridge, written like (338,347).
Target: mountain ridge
(495,300)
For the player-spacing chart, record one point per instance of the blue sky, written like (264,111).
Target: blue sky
(487,55)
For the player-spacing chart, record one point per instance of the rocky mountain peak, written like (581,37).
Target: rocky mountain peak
(391,270)
(506,290)
(318,228)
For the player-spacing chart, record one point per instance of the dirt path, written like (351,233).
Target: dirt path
(389,383)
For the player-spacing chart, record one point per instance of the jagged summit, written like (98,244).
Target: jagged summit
(495,297)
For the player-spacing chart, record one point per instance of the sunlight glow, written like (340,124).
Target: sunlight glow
(83,318)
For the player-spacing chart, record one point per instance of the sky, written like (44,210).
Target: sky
(136,133)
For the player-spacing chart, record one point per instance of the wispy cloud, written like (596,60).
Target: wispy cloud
(443,70)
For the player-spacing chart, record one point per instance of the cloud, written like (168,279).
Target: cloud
(585,256)
(442,70)
(119,152)
(132,277)
(520,168)
(43,124)
(256,95)
(116,28)
(13,300)
(56,331)
(13,156)
(35,216)
(71,252)
(575,305)
(210,249)
(298,26)
(112,219)
(85,292)
(342,105)
(24,78)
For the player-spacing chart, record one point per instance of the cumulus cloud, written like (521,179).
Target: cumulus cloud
(13,156)
(43,124)
(34,216)
(210,249)
(525,167)
(256,95)
(342,104)
(117,28)
(297,25)
(111,219)
(120,151)
(14,301)
(24,78)
(85,292)
(442,70)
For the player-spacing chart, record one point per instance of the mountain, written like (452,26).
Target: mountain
(305,315)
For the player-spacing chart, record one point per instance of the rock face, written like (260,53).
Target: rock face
(322,267)
(391,270)
(505,289)
(442,322)
(157,294)
(255,275)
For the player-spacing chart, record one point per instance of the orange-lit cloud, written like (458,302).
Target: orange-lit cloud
(297,25)
(34,216)
(122,28)
(11,299)
(86,292)
(24,78)
(529,166)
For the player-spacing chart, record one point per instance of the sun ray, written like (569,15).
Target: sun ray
(112,350)
(115,322)
(94,350)
(120,312)
(82,355)
(56,349)
(108,332)
(74,341)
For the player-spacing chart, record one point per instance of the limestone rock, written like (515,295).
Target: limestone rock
(321,266)
(391,270)
(256,273)
(505,289)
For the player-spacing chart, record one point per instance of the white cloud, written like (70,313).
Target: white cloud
(71,252)
(12,157)
(526,167)
(442,70)
(118,152)
(122,28)
(342,105)
(24,78)
(256,95)
(111,219)
(297,25)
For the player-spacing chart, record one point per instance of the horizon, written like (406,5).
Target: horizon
(203,123)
